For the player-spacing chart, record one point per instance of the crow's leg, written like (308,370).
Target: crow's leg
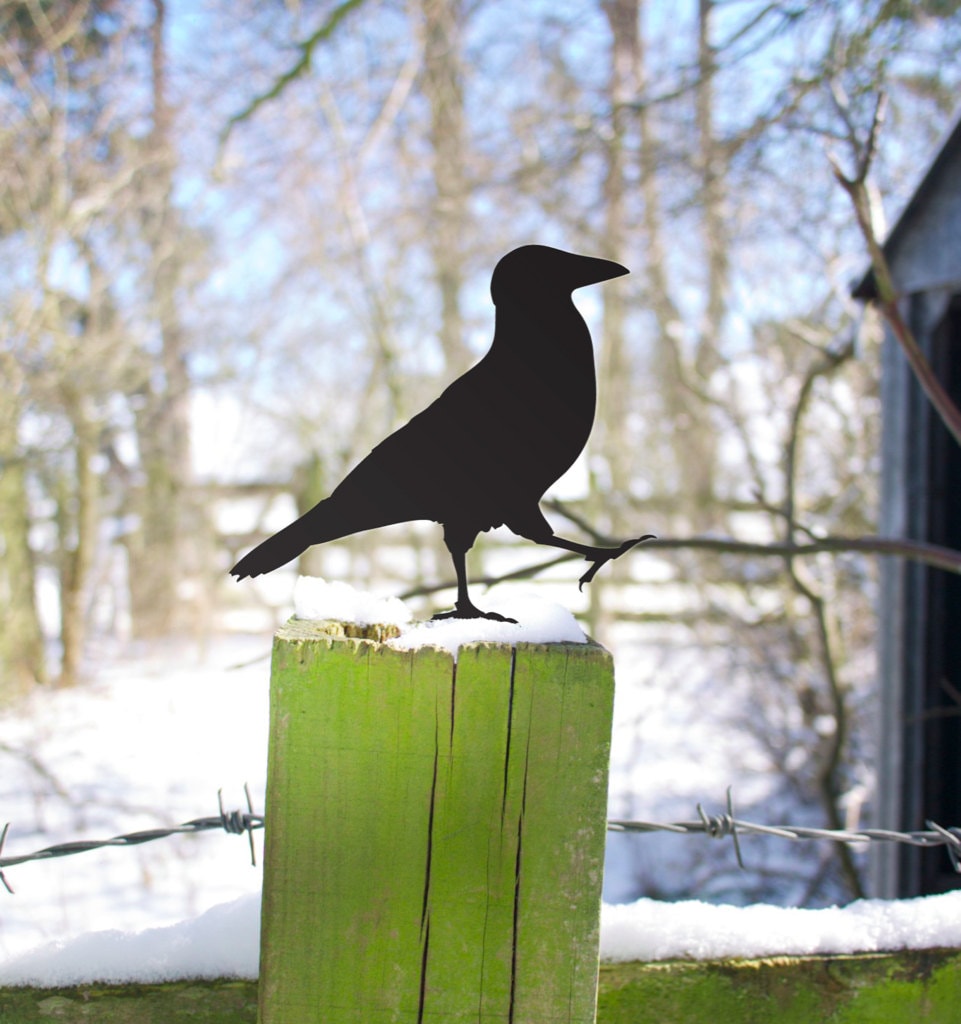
(596,555)
(458,543)
(535,527)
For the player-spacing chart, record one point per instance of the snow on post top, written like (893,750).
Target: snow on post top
(315,598)
(538,621)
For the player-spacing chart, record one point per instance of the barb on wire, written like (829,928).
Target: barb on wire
(720,826)
(952,840)
(234,822)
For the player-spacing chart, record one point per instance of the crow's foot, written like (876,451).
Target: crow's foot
(604,555)
(466,610)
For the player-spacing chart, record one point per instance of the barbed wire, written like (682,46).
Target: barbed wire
(233,822)
(723,826)
(715,826)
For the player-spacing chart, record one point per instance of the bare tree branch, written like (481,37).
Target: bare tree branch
(932,555)
(887,297)
(831,747)
(302,64)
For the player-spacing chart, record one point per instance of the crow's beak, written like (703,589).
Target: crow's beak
(591,270)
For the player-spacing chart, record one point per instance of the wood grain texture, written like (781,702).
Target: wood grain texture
(436,837)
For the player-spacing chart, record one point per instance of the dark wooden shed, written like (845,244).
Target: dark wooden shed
(919,770)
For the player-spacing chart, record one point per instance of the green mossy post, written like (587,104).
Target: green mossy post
(436,831)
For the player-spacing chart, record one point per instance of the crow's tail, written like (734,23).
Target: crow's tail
(321,523)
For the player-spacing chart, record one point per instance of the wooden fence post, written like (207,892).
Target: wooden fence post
(435,839)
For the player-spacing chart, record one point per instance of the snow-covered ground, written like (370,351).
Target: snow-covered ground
(153,736)
(147,742)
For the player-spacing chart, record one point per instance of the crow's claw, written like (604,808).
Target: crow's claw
(471,612)
(609,555)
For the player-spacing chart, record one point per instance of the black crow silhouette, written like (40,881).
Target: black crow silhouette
(484,452)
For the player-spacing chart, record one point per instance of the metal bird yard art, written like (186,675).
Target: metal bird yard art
(503,432)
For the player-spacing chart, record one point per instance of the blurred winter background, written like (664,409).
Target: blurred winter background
(241,241)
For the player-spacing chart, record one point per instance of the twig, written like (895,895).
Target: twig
(887,297)
(833,746)
(489,581)
(301,65)
(934,555)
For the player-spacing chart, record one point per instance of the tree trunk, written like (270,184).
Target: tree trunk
(311,487)
(441,26)
(615,378)
(615,373)
(21,639)
(667,359)
(77,518)
(698,442)
(157,554)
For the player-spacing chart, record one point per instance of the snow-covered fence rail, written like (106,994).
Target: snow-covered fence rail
(909,987)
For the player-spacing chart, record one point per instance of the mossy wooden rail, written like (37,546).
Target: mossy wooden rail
(891,988)
(436,838)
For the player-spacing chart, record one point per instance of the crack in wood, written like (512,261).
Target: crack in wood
(518,863)
(507,746)
(423,973)
(425,906)
(453,696)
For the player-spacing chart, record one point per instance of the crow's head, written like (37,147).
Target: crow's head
(543,270)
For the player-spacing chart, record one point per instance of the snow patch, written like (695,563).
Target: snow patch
(537,621)
(224,941)
(650,930)
(315,598)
